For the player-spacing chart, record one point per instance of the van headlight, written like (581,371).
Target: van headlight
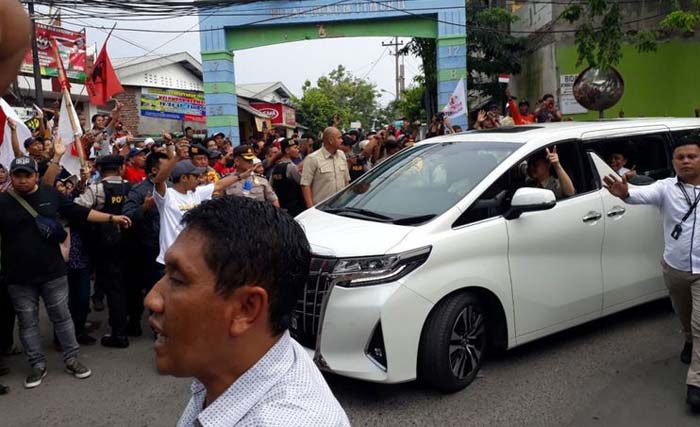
(366,271)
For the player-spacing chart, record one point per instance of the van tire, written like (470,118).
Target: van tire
(449,365)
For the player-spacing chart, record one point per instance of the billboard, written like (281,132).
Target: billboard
(71,45)
(173,104)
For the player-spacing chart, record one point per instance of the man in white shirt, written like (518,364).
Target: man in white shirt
(185,194)
(678,198)
(222,313)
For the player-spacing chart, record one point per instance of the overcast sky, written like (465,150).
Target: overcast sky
(290,63)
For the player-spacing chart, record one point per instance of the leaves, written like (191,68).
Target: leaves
(339,93)
(491,51)
(600,35)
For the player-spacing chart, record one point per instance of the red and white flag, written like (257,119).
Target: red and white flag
(23,132)
(70,160)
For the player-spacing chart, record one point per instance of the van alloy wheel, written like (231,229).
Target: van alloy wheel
(467,342)
(453,343)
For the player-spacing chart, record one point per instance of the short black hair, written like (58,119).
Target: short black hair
(317,145)
(95,116)
(275,256)
(547,96)
(524,102)
(307,136)
(152,160)
(685,140)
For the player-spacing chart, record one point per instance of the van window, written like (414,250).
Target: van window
(496,199)
(646,155)
(421,183)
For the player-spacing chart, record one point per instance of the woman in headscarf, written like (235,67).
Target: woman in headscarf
(4,179)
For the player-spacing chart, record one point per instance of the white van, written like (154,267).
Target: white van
(443,251)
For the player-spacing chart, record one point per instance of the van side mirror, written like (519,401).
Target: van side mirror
(530,200)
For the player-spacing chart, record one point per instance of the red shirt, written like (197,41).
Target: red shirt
(134,175)
(518,118)
(222,169)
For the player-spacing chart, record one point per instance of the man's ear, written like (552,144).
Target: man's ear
(250,305)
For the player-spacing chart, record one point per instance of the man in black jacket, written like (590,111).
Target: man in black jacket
(142,268)
(33,263)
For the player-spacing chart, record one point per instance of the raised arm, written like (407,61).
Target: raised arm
(567,186)
(165,170)
(15,141)
(229,180)
(54,164)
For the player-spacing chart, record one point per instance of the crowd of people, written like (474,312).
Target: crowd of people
(102,235)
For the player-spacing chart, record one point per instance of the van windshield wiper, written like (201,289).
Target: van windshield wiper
(414,220)
(358,211)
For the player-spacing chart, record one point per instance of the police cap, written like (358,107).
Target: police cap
(110,160)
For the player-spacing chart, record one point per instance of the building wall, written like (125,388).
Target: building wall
(661,83)
(149,126)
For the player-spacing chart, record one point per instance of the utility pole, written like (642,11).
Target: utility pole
(38,88)
(399,73)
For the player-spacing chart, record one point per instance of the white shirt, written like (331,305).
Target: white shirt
(682,254)
(284,388)
(172,207)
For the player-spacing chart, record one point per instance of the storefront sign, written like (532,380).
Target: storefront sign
(279,114)
(71,45)
(173,104)
(568,104)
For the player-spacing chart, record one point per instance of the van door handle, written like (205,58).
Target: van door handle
(592,216)
(616,211)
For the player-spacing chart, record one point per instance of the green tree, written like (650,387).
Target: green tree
(600,35)
(491,51)
(341,93)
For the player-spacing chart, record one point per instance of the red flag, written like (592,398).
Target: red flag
(3,122)
(62,79)
(102,82)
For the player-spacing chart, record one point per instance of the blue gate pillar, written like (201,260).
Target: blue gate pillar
(219,84)
(451,57)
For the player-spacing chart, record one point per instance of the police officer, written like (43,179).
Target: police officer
(256,187)
(285,178)
(199,156)
(108,196)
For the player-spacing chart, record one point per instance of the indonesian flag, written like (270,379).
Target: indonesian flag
(102,82)
(23,132)
(70,160)
(457,104)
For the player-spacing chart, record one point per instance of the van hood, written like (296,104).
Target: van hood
(339,236)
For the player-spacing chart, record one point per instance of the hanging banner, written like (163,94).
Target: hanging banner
(173,105)
(71,45)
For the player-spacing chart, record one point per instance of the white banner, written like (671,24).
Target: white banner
(457,105)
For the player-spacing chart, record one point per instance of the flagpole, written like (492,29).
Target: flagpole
(69,103)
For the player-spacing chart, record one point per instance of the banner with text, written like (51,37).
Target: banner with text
(71,45)
(173,105)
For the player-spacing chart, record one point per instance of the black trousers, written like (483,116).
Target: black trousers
(7,318)
(142,272)
(109,269)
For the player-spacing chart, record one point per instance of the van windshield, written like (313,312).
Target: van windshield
(419,184)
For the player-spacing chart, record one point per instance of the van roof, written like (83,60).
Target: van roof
(566,130)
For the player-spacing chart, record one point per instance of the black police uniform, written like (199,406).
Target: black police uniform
(288,191)
(108,243)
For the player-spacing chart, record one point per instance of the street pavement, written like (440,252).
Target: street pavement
(619,371)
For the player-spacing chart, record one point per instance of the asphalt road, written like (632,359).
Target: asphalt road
(619,371)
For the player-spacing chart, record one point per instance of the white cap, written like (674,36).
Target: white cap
(256,161)
(149,141)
